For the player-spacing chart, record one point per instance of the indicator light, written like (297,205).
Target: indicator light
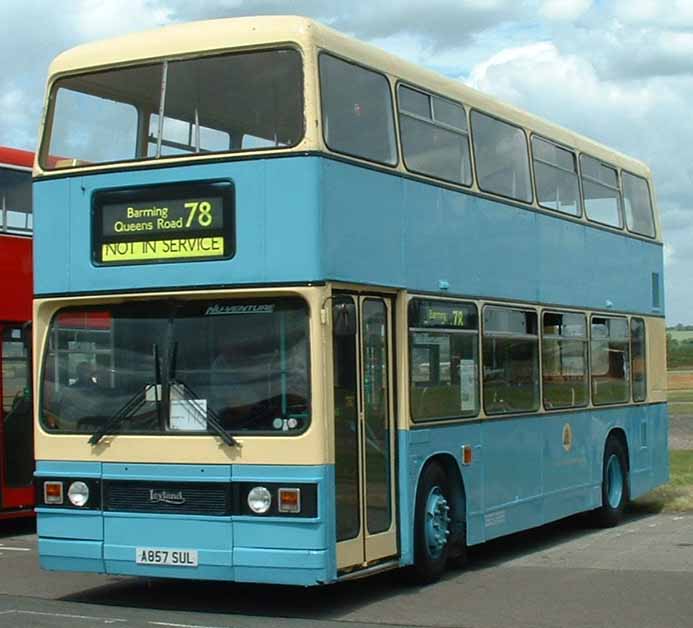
(467,454)
(53,493)
(290,500)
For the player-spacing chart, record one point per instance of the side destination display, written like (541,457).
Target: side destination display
(164,223)
(432,314)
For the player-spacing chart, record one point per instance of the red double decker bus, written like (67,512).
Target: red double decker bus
(16,288)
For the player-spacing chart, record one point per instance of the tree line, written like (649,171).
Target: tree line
(680,352)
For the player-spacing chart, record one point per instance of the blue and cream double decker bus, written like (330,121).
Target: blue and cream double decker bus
(305,312)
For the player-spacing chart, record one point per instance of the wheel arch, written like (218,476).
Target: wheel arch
(619,434)
(458,494)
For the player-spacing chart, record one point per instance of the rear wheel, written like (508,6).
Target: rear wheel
(614,485)
(432,524)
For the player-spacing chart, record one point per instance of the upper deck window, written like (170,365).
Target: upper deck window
(357,111)
(502,159)
(601,192)
(435,140)
(15,200)
(638,206)
(227,103)
(555,171)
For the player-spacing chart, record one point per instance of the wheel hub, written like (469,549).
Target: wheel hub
(437,522)
(614,477)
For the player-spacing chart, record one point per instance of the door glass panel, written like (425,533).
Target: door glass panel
(16,405)
(376,413)
(346,423)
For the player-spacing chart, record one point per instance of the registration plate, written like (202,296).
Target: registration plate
(170,557)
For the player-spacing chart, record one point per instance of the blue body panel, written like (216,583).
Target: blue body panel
(303,219)
(521,476)
(280,550)
(276,199)
(307,218)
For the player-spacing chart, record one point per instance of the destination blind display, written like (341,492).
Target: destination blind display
(442,314)
(164,224)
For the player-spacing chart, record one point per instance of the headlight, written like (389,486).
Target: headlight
(259,499)
(78,493)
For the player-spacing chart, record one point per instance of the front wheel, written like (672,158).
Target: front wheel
(614,485)
(432,524)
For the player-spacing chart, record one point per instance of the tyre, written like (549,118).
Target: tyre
(614,485)
(432,524)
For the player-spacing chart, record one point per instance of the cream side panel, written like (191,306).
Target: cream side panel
(308,448)
(656,348)
(402,421)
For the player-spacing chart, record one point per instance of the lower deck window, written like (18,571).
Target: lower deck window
(610,359)
(564,360)
(511,360)
(443,350)
(638,359)
(17,412)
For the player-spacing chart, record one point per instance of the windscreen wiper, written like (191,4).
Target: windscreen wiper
(125,411)
(212,419)
(133,404)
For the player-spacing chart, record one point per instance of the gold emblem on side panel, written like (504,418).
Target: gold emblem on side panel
(567,437)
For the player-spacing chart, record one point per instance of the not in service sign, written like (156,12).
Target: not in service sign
(164,223)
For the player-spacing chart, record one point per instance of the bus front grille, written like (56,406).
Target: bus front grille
(181,498)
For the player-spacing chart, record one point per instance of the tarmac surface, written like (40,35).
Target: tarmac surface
(680,426)
(561,575)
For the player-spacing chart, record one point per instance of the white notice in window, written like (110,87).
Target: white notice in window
(189,415)
(467,386)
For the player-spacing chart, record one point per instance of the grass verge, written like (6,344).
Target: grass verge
(680,396)
(681,409)
(677,495)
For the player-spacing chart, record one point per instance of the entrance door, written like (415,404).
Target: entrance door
(364,429)
(16,429)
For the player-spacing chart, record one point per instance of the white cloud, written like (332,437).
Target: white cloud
(618,71)
(97,19)
(564,10)
(655,13)
(17,118)
(646,118)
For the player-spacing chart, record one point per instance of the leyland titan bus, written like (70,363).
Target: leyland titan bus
(16,427)
(305,312)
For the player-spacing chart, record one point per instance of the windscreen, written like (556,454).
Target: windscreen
(176,367)
(226,103)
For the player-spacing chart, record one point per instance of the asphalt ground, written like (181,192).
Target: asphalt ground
(565,574)
(561,575)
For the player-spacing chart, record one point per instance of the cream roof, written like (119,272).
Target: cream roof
(215,35)
(378,59)
(179,40)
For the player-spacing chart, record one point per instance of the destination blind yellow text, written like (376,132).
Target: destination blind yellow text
(162,249)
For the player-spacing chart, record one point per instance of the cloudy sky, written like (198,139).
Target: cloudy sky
(618,71)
